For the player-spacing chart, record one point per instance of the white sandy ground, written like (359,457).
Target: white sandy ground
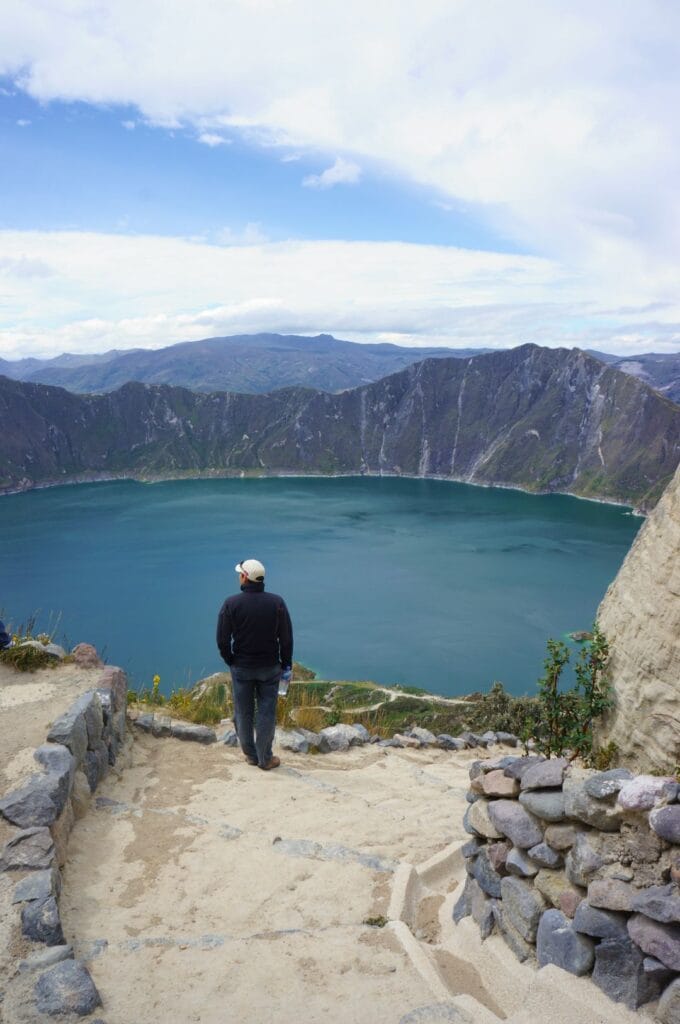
(200,889)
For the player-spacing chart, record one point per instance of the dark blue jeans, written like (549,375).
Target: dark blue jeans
(255,692)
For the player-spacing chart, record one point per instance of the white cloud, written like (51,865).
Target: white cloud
(252,234)
(129,126)
(23,122)
(342,172)
(212,140)
(122,291)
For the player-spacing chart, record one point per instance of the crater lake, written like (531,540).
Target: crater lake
(428,583)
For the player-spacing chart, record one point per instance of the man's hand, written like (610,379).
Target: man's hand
(287,675)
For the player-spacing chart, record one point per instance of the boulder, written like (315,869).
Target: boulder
(520,864)
(548,804)
(641,792)
(611,894)
(545,775)
(115,680)
(659,940)
(80,794)
(424,736)
(497,784)
(229,738)
(660,902)
(340,737)
(580,805)
(619,972)
(508,739)
(668,1011)
(666,822)
(65,989)
(582,861)
(161,726)
(45,958)
(292,740)
(91,708)
(522,949)
(33,803)
(522,906)
(85,655)
(463,905)
(520,765)
(70,730)
(37,886)
(40,922)
(604,785)
(554,885)
(482,910)
(32,849)
(514,821)
(558,943)
(477,820)
(485,875)
(600,924)
(193,733)
(447,742)
(562,836)
(472,847)
(545,856)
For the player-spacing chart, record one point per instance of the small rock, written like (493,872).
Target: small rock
(497,854)
(424,736)
(547,804)
(390,743)
(619,972)
(641,792)
(45,958)
(508,739)
(31,849)
(670,793)
(404,740)
(519,864)
(32,804)
(554,885)
(229,738)
(361,731)
(522,764)
(545,775)
(562,837)
(513,821)
(40,921)
(666,822)
(144,722)
(66,988)
(569,901)
(668,1011)
(659,940)
(341,737)
(522,949)
(489,737)
(557,942)
(472,847)
(580,805)
(447,742)
(660,902)
(601,924)
(86,656)
(162,726)
(545,856)
(196,733)
(497,784)
(293,741)
(522,905)
(478,821)
(485,875)
(607,784)
(463,905)
(654,967)
(37,886)
(482,910)
(582,861)
(611,894)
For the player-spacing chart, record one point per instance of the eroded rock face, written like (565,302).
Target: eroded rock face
(640,616)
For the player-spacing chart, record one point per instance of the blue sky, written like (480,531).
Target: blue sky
(464,173)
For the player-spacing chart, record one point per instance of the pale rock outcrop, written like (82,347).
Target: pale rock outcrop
(640,616)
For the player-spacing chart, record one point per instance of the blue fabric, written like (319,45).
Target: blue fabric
(255,693)
(5,638)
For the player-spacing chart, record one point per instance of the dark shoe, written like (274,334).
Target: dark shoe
(251,760)
(273,763)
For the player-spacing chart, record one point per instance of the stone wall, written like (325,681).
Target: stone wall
(580,869)
(82,744)
(640,616)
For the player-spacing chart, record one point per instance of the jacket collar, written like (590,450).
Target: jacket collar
(252,587)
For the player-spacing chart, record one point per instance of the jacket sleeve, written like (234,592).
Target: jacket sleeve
(224,633)
(285,636)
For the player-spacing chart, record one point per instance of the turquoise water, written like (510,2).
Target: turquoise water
(419,582)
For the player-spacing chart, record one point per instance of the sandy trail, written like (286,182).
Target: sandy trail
(200,889)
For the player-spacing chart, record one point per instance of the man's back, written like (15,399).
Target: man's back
(254,629)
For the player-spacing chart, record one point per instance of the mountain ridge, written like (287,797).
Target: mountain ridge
(543,420)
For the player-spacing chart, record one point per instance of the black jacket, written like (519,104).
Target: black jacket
(254,629)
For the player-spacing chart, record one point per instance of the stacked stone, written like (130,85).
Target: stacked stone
(81,745)
(580,869)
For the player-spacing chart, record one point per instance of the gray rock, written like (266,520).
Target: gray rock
(91,769)
(611,894)
(425,737)
(477,821)
(668,1011)
(545,775)
(641,792)
(32,849)
(482,911)
(671,792)
(607,784)
(514,821)
(472,847)
(119,725)
(557,942)
(522,949)
(40,922)
(389,743)
(517,769)
(658,970)
(90,707)
(659,940)
(45,958)
(489,736)
(508,739)
(601,924)
(54,650)
(562,837)
(447,742)
(485,875)
(660,902)
(66,988)
(519,864)
(463,905)
(339,737)
(314,739)
(666,822)
(115,680)
(522,906)
(144,722)
(291,740)
(545,856)
(582,862)
(472,797)
(548,804)
(161,726)
(580,805)
(195,733)
(38,886)
(473,739)
(32,804)
(70,730)
(229,738)
(56,759)
(362,732)
(619,972)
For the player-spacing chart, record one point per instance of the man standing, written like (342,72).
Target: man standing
(255,638)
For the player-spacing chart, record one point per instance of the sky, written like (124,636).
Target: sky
(469,173)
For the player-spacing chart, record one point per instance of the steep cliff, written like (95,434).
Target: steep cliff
(535,418)
(640,615)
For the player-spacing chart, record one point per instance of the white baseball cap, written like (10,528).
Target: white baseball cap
(253,569)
